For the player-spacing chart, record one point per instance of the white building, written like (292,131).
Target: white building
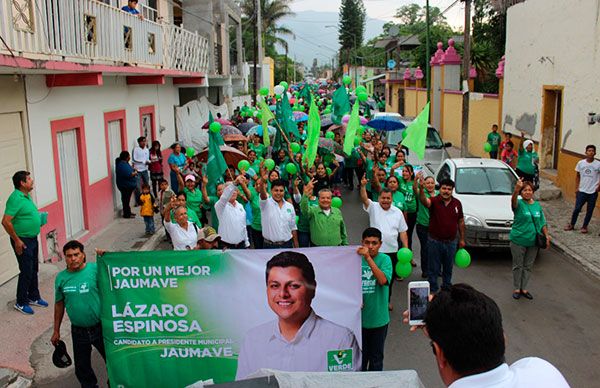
(80,80)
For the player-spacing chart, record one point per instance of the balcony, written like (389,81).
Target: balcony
(91,32)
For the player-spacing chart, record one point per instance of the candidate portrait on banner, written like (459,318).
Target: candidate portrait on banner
(298,339)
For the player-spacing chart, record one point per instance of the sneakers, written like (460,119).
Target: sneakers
(25,309)
(40,302)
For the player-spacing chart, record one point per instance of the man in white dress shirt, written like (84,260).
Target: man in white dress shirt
(232,217)
(141,160)
(467,339)
(299,340)
(278,217)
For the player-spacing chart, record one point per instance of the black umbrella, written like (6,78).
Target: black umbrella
(245,127)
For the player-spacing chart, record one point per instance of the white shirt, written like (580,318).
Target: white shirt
(589,174)
(265,347)
(529,372)
(182,239)
(277,223)
(140,158)
(389,222)
(232,218)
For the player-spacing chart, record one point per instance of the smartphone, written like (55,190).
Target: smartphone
(418,299)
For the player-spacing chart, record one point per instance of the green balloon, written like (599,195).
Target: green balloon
(487,147)
(259,115)
(264,91)
(327,111)
(362,97)
(403,270)
(215,127)
(243,165)
(291,168)
(329,135)
(269,164)
(347,80)
(285,85)
(357,141)
(336,202)
(360,89)
(319,103)
(404,255)
(328,171)
(295,147)
(462,258)
(190,152)
(302,108)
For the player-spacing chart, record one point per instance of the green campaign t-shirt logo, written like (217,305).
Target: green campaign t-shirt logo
(339,360)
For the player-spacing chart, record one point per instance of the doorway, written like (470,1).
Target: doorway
(70,182)
(551,127)
(115,147)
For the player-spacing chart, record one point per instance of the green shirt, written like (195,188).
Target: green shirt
(325,230)
(255,206)
(375,312)
(494,139)
(303,223)
(525,228)
(351,161)
(193,199)
(79,291)
(398,200)
(410,199)
(423,211)
(258,148)
(26,218)
(525,161)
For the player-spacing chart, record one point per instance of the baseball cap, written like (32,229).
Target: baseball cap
(60,357)
(190,177)
(208,233)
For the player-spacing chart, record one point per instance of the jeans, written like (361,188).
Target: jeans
(373,344)
(304,239)
(83,340)
(493,154)
(523,259)
(422,234)
(258,240)
(141,178)
(440,255)
(149,222)
(269,245)
(349,173)
(411,221)
(27,285)
(174,182)
(582,199)
(126,200)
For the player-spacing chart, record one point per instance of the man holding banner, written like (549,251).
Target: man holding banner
(299,339)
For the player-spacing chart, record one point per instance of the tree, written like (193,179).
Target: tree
(489,38)
(351,26)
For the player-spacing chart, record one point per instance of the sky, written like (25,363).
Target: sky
(383,9)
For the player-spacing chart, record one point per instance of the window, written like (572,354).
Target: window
(151,43)
(485,181)
(89,22)
(433,139)
(22,15)
(444,173)
(128,37)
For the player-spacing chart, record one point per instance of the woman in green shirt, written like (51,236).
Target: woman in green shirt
(410,199)
(529,221)
(527,160)
(257,146)
(427,184)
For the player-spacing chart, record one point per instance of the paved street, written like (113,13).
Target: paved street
(559,325)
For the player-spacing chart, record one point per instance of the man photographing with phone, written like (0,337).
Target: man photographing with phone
(468,342)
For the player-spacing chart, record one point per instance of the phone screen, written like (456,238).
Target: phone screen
(419,297)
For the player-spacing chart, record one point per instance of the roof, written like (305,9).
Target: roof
(478,162)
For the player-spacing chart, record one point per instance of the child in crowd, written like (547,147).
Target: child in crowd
(493,138)
(163,198)
(147,208)
(509,155)
(507,138)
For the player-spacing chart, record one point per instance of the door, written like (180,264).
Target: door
(147,127)
(12,149)
(114,149)
(551,127)
(70,183)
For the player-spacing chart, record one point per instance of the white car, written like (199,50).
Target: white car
(484,187)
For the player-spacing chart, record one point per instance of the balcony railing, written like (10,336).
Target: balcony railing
(88,31)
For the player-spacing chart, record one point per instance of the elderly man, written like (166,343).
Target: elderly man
(184,233)
(278,219)
(232,217)
(326,224)
(22,222)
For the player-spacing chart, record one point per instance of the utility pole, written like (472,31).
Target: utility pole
(332,67)
(464,139)
(286,64)
(255,69)
(294,68)
(427,53)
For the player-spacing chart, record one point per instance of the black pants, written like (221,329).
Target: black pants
(257,238)
(423,234)
(349,173)
(280,245)
(83,340)
(27,285)
(373,344)
(494,154)
(411,221)
(526,177)
(223,244)
(125,200)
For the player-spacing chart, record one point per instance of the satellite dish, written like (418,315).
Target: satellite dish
(394,31)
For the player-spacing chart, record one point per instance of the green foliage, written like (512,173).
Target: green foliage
(351,26)
(489,37)
(272,11)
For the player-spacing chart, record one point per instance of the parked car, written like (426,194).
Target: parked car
(435,148)
(484,187)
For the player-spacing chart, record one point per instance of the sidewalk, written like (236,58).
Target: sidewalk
(25,347)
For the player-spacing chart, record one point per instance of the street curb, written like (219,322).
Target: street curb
(576,258)
(153,241)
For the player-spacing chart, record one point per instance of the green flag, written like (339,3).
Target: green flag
(417,133)
(314,133)
(351,129)
(285,118)
(266,117)
(341,105)
(215,163)
(305,94)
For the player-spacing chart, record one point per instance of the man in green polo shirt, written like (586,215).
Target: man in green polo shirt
(76,289)
(22,222)
(326,224)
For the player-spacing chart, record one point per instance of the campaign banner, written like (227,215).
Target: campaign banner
(173,318)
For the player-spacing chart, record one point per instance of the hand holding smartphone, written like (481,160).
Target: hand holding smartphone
(418,300)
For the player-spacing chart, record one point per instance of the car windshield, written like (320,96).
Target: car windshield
(484,181)
(433,139)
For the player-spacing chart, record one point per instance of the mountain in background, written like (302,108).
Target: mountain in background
(314,40)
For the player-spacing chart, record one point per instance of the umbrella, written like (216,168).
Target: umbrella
(258,130)
(232,155)
(230,130)
(245,127)
(326,123)
(300,117)
(363,121)
(234,137)
(386,123)
(326,144)
(218,120)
